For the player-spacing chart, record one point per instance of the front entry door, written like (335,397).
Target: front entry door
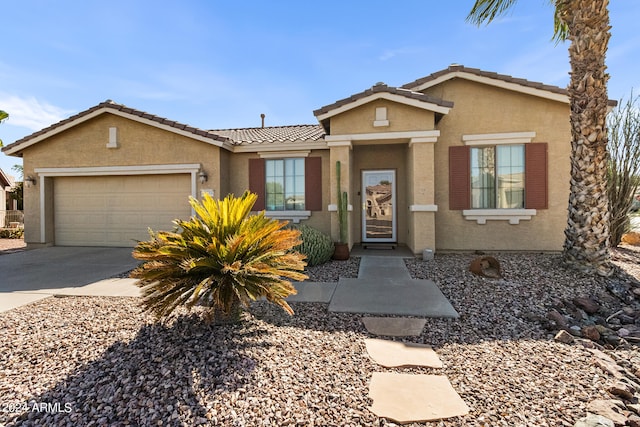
(379,206)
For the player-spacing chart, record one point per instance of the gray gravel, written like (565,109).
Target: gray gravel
(101,361)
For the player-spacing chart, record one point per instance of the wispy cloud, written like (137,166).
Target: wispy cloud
(30,112)
(391,53)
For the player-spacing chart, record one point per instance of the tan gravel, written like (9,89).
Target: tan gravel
(11,245)
(101,361)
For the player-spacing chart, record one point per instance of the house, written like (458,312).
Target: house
(461,159)
(6,183)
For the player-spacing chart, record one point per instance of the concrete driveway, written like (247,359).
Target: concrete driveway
(35,274)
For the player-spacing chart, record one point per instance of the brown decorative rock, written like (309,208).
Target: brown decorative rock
(633,421)
(486,266)
(609,408)
(622,389)
(589,305)
(591,332)
(558,318)
(564,337)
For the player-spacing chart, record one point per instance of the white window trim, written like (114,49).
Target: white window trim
(334,208)
(293,216)
(284,154)
(498,138)
(514,216)
(423,208)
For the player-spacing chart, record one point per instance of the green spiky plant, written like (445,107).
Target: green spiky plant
(221,259)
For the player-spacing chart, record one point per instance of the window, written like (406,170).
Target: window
(502,181)
(291,186)
(497,177)
(285,184)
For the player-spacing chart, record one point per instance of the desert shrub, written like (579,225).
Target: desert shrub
(317,246)
(221,259)
(11,233)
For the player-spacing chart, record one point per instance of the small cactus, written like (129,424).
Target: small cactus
(342,207)
(316,245)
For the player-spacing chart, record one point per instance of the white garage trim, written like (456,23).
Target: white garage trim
(192,168)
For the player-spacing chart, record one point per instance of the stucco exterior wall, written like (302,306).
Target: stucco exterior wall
(483,109)
(238,183)
(401,118)
(84,145)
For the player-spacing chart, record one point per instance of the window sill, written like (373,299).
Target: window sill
(293,216)
(514,216)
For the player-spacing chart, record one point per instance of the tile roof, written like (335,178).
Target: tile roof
(381,87)
(122,108)
(272,134)
(488,74)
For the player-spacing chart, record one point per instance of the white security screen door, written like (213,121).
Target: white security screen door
(378,206)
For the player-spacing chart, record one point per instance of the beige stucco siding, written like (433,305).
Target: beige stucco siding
(238,166)
(85,146)
(483,109)
(402,118)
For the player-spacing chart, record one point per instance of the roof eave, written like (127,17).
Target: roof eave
(17,147)
(443,108)
(542,93)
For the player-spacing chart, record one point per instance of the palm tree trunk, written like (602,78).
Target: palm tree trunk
(587,234)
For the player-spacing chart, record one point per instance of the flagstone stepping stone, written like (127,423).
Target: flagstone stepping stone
(394,326)
(406,398)
(391,354)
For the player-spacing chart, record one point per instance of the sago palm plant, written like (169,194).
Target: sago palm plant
(221,259)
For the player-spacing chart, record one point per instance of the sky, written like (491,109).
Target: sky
(219,64)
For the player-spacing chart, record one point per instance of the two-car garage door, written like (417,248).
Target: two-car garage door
(117,210)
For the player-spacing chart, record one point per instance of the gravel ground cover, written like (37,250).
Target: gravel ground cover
(11,245)
(101,361)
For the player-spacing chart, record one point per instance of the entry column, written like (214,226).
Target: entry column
(421,194)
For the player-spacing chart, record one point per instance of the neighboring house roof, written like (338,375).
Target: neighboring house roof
(272,134)
(382,91)
(121,110)
(5,180)
(501,80)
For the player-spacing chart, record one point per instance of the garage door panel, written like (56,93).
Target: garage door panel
(117,210)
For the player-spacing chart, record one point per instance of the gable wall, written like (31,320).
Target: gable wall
(139,144)
(401,118)
(481,109)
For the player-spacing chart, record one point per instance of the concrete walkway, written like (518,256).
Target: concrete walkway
(383,286)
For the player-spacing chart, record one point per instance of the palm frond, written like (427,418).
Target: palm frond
(223,257)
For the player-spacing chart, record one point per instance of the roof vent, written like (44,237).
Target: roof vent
(262,116)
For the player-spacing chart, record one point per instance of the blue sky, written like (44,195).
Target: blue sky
(219,64)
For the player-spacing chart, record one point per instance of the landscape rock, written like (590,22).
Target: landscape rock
(609,408)
(486,266)
(594,420)
(622,389)
(590,332)
(564,337)
(558,318)
(589,305)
